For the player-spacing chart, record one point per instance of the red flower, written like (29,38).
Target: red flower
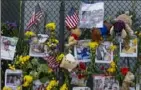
(80,76)
(124,71)
(82,66)
(102,68)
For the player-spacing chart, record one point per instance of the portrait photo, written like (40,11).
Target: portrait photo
(98,82)
(8,47)
(13,78)
(37,46)
(103,53)
(82,51)
(129,48)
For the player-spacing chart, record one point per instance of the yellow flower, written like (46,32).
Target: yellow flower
(51,26)
(28,78)
(51,84)
(6,88)
(93,45)
(136,32)
(112,64)
(135,41)
(111,70)
(60,57)
(56,41)
(19,88)
(24,59)
(139,34)
(25,84)
(29,33)
(12,67)
(64,87)
(50,70)
(113,47)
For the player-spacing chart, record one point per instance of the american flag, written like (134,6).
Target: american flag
(72,18)
(52,63)
(36,16)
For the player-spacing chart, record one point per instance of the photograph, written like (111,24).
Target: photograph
(102,82)
(8,47)
(81,88)
(110,83)
(103,53)
(98,82)
(37,47)
(82,51)
(13,78)
(129,49)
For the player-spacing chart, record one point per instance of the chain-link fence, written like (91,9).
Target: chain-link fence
(55,10)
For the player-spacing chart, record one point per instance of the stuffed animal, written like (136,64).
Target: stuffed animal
(99,33)
(73,39)
(128,81)
(69,62)
(122,26)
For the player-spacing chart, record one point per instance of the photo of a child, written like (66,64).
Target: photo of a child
(82,51)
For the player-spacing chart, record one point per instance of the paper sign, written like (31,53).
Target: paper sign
(81,88)
(91,15)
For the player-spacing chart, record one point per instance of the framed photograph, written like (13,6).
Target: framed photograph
(8,47)
(81,88)
(37,47)
(129,49)
(103,53)
(13,79)
(82,51)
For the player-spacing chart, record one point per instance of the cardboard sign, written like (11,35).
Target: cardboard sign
(91,15)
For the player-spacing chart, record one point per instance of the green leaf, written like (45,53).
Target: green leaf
(44,79)
(42,68)
(35,62)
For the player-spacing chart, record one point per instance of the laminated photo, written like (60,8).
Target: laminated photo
(91,15)
(110,83)
(13,78)
(103,53)
(8,47)
(129,49)
(98,82)
(102,82)
(82,51)
(37,46)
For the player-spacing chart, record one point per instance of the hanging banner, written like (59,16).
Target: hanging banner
(91,15)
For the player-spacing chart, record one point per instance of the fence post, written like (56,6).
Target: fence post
(61,29)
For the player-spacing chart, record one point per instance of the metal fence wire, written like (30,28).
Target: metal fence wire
(56,11)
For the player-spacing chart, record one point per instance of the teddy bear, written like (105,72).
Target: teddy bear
(122,26)
(128,81)
(73,38)
(99,33)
